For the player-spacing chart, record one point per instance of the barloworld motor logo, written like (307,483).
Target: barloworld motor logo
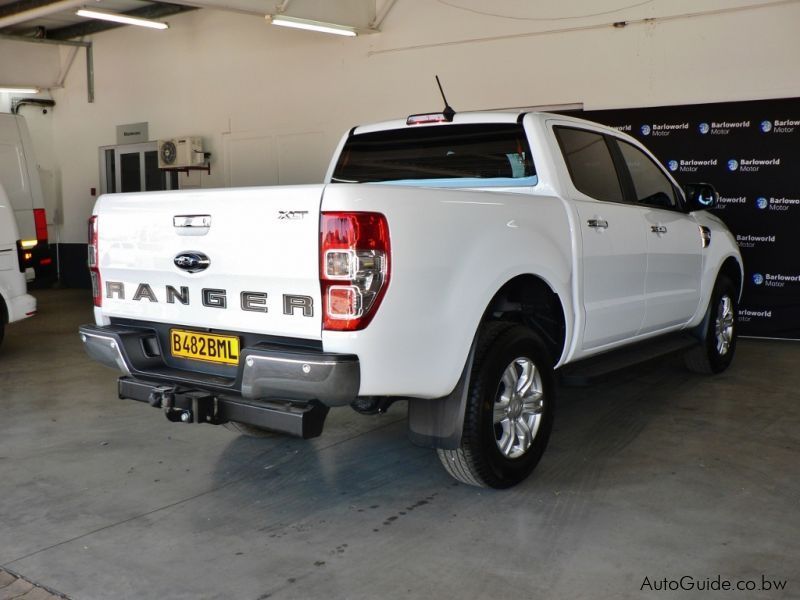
(762,203)
(645,129)
(704,128)
(758,278)
(672,165)
(766,126)
(733,164)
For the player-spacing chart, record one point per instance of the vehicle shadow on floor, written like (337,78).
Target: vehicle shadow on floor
(356,454)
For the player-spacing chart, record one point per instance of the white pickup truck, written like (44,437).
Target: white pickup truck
(464,263)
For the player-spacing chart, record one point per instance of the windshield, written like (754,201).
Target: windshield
(475,155)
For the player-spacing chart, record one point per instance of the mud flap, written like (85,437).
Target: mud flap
(439,423)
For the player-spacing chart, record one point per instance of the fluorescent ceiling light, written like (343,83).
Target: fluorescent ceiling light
(119,18)
(18,90)
(310,25)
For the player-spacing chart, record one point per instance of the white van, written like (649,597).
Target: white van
(15,302)
(19,175)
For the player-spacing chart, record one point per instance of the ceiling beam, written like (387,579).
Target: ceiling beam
(22,5)
(39,12)
(152,11)
(382,14)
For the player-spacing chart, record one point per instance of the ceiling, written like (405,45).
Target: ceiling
(56,19)
(34,33)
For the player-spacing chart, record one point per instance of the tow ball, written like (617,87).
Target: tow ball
(184,406)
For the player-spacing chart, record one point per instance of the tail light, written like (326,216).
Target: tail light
(94,263)
(354,268)
(40,221)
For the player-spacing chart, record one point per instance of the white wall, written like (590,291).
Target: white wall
(271,103)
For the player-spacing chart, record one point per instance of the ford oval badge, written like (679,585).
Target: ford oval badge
(193,262)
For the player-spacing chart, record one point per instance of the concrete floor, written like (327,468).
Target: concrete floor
(658,473)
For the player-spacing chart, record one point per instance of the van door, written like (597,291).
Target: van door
(14,175)
(19,174)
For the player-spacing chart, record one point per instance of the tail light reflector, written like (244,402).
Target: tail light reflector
(40,221)
(354,268)
(94,262)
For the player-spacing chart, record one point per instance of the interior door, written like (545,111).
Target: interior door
(134,168)
(614,255)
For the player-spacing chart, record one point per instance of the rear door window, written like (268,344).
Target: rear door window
(471,155)
(590,163)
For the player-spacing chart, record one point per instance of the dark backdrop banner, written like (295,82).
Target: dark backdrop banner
(750,151)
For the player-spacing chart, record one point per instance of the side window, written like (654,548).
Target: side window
(652,187)
(590,164)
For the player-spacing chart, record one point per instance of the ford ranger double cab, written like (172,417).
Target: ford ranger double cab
(465,263)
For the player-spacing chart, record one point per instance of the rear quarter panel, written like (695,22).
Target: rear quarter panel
(451,251)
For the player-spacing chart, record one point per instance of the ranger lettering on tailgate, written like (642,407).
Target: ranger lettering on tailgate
(213,298)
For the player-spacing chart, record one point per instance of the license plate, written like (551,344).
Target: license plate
(208,347)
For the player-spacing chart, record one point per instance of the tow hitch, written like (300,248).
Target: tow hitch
(181,406)
(184,405)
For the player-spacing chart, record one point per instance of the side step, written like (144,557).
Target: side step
(594,369)
(185,405)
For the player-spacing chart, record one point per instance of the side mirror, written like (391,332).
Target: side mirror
(700,196)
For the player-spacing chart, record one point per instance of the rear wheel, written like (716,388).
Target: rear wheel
(248,430)
(715,353)
(509,412)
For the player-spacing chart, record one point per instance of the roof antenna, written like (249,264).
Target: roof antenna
(448,111)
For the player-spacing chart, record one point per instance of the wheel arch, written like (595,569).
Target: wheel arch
(733,269)
(530,300)
(527,299)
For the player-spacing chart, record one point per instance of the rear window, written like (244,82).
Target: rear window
(473,155)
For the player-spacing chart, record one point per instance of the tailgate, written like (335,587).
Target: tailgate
(262,250)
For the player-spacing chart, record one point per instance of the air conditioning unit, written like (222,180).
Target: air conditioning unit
(182,152)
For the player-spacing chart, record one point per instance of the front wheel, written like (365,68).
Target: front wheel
(509,412)
(718,342)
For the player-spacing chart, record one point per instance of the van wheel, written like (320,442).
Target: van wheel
(718,343)
(509,412)
(248,430)
(2,330)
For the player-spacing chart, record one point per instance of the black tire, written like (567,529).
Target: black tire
(504,348)
(248,430)
(3,319)
(718,340)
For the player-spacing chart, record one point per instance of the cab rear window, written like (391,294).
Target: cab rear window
(472,155)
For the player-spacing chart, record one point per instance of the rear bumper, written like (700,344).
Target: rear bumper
(265,372)
(21,307)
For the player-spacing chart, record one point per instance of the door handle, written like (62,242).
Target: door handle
(658,229)
(597,223)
